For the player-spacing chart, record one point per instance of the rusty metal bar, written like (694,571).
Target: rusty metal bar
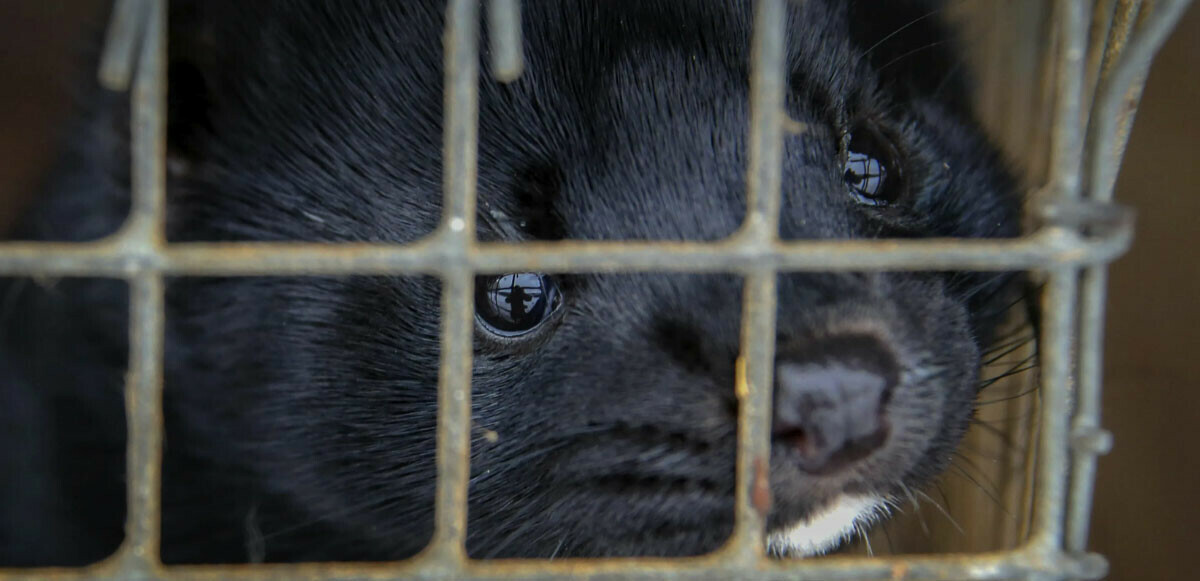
(1016,564)
(460,132)
(753,387)
(143,403)
(1044,248)
(447,551)
(144,230)
(761,228)
(767,117)
(144,233)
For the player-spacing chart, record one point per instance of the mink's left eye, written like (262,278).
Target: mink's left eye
(872,170)
(515,304)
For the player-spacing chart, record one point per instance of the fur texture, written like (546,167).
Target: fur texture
(300,411)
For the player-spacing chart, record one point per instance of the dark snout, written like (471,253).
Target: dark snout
(831,398)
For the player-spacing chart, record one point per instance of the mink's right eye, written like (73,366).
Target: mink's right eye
(873,169)
(511,305)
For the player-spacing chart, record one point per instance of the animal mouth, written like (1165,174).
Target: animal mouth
(824,529)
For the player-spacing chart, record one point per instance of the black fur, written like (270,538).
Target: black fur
(300,411)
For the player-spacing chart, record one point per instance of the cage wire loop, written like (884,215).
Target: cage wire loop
(1083,231)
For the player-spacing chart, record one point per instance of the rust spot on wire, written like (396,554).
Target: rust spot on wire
(761,493)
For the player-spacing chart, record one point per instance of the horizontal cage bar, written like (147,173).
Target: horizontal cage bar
(1047,248)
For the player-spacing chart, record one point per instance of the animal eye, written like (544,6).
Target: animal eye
(511,305)
(872,168)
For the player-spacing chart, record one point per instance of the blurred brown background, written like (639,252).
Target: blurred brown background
(1146,501)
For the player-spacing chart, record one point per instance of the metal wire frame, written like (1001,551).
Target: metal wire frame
(1081,231)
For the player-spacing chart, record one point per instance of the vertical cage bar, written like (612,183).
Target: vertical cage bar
(1087,439)
(1067,140)
(767,116)
(1058,327)
(461,102)
(143,404)
(144,230)
(1059,299)
(454,416)
(1100,36)
(1118,96)
(755,372)
(1126,64)
(504,34)
(144,233)
(757,361)
(1124,17)
(457,234)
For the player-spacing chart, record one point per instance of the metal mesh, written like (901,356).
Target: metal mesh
(1106,44)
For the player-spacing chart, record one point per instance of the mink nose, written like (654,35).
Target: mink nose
(830,401)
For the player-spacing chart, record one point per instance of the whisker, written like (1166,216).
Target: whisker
(1024,298)
(993,458)
(910,53)
(887,535)
(945,512)
(992,494)
(893,34)
(863,535)
(1021,366)
(1009,351)
(557,548)
(1022,394)
(1008,418)
(916,508)
(997,432)
(954,70)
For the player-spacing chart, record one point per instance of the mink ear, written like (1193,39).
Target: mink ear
(911,45)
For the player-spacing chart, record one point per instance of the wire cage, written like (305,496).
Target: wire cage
(1073,69)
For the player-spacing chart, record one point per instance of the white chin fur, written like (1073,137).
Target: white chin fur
(822,531)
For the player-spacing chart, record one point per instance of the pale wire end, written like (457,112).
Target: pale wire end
(504,32)
(125,28)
